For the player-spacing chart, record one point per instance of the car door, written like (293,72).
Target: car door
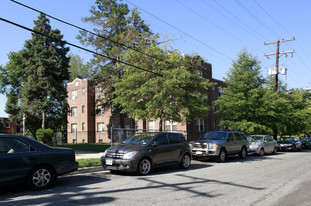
(176,146)
(15,160)
(231,144)
(161,152)
(269,144)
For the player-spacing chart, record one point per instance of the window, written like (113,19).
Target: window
(220,91)
(214,124)
(7,124)
(100,110)
(200,123)
(74,94)
(12,145)
(83,109)
(74,111)
(213,89)
(231,137)
(201,74)
(83,91)
(238,137)
(100,127)
(99,92)
(83,126)
(174,138)
(136,125)
(170,125)
(74,128)
(77,84)
(162,139)
(151,125)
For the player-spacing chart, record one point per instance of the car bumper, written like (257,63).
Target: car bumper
(204,152)
(67,168)
(287,148)
(254,151)
(119,164)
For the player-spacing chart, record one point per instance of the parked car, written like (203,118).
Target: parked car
(144,151)
(219,144)
(262,144)
(305,143)
(24,160)
(289,144)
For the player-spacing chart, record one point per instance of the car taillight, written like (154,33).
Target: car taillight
(73,156)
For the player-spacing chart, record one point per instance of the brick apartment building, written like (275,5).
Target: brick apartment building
(9,126)
(89,123)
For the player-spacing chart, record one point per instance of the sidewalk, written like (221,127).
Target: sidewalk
(87,155)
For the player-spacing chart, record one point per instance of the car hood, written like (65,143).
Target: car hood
(208,141)
(255,143)
(124,148)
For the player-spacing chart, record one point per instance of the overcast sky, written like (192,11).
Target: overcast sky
(217,30)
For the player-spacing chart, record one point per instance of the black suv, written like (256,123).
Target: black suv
(145,151)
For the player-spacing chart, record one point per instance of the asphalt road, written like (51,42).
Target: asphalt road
(282,179)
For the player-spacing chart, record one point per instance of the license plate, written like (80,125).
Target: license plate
(108,162)
(198,152)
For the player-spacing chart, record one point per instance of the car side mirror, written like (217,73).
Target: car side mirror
(155,143)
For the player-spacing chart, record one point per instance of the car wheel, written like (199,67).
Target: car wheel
(262,152)
(41,177)
(185,162)
(144,166)
(222,156)
(243,153)
(275,151)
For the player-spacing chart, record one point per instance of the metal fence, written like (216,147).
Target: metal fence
(112,136)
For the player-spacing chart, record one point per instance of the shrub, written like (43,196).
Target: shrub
(45,136)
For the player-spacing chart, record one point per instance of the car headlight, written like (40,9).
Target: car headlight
(213,146)
(104,155)
(254,147)
(129,155)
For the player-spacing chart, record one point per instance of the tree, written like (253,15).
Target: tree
(46,68)
(77,68)
(34,79)
(119,26)
(171,89)
(245,104)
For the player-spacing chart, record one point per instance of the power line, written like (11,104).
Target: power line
(80,28)
(212,23)
(264,38)
(79,47)
(197,40)
(257,19)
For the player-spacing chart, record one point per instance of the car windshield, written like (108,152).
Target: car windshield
(305,140)
(255,139)
(214,136)
(140,139)
(289,140)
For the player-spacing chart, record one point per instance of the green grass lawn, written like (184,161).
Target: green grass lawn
(93,162)
(92,147)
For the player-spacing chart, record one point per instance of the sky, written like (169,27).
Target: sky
(217,30)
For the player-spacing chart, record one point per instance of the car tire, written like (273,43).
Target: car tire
(243,153)
(41,177)
(185,161)
(222,157)
(275,151)
(144,166)
(262,152)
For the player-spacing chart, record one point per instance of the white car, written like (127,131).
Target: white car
(262,144)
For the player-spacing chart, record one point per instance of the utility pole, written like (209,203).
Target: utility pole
(276,77)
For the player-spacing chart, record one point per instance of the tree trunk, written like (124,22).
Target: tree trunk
(43,120)
(160,125)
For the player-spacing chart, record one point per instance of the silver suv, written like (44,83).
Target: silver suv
(219,144)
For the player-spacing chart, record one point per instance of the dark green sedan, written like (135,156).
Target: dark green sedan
(26,161)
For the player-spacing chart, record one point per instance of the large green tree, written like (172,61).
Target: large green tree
(244,104)
(171,89)
(115,26)
(34,79)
